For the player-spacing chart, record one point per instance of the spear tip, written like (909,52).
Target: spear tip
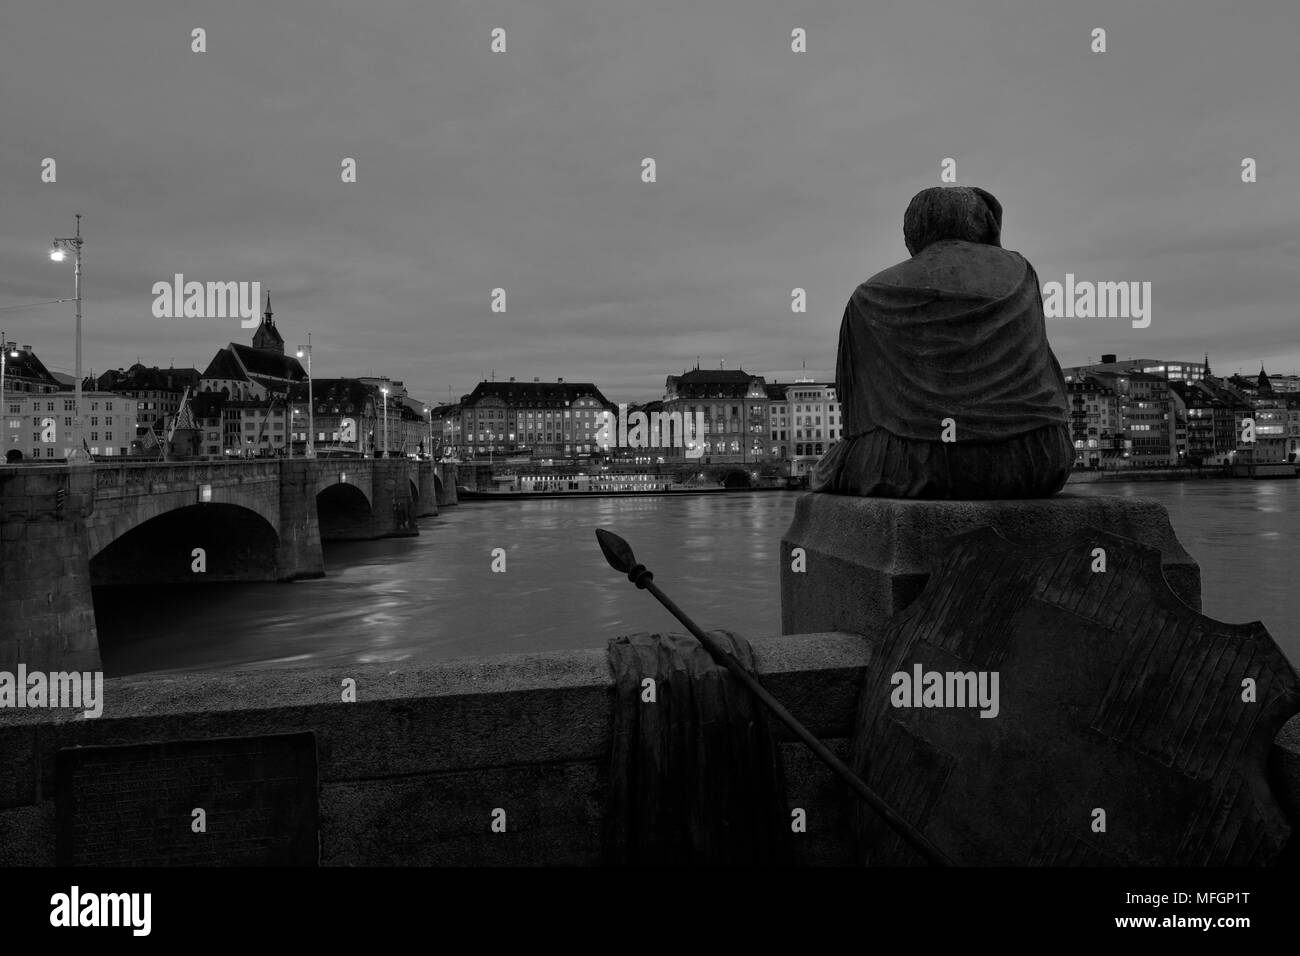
(617,551)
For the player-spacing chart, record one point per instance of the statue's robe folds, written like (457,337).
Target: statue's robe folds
(955,333)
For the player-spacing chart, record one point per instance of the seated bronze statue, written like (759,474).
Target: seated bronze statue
(947,386)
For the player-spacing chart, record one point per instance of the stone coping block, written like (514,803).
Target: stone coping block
(459,715)
(866,559)
(538,724)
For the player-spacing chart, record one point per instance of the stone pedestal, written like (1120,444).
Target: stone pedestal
(865,559)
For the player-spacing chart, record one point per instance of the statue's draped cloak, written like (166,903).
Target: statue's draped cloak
(956,332)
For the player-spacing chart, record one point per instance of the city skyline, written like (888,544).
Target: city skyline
(776,170)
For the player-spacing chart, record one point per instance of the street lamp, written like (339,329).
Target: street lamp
(5,354)
(428,413)
(311,405)
(385,393)
(58,253)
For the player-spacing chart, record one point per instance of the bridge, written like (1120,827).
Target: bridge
(64,530)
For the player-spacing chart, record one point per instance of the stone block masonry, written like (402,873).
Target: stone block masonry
(865,559)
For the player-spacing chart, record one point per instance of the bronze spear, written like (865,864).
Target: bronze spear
(620,557)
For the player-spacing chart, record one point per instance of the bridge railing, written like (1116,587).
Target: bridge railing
(124,475)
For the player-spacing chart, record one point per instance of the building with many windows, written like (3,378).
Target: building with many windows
(545,420)
(346,415)
(157,391)
(39,425)
(1173,370)
(816,423)
(1214,416)
(1096,427)
(446,430)
(778,423)
(735,408)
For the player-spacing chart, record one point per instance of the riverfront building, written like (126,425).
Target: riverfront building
(346,415)
(1214,416)
(40,425)
(447,430)
(1277,419)
(816,423)
(1173,370)
(778,423)
(544,420)
(736,417)
(24,372)
(157,392)
(1148,426)
(1096,426)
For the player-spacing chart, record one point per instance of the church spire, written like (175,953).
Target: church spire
(267,336)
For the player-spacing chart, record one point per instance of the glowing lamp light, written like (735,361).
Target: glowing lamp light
(57,254)
(343,478)
(205,494)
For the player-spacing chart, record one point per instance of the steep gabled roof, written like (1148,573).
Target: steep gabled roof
(225,366)
(269,364)
(28,366)
(342,395)
(138,378)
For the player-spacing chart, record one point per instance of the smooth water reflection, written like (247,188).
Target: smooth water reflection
(435,596)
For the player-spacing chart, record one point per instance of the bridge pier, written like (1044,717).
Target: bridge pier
(447,489)
(47,617)
(298,554)
(392,506)
(428,501)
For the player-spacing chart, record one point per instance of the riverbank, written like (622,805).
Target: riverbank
(1264,470)
(464,494)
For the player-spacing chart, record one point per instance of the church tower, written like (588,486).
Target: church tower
(267,337)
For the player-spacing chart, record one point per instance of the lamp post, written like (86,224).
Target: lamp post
(428,413)
(5,354)
(58,253)
(311,405)
(385,450)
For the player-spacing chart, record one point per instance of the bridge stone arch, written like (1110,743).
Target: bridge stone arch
(359,478)
(344,504)
(125,500)
(194,543)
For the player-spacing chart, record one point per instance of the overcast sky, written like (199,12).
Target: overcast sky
(522,170)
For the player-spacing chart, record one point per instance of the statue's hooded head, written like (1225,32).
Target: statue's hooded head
(965,213)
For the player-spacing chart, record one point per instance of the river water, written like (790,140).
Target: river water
(436,596)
